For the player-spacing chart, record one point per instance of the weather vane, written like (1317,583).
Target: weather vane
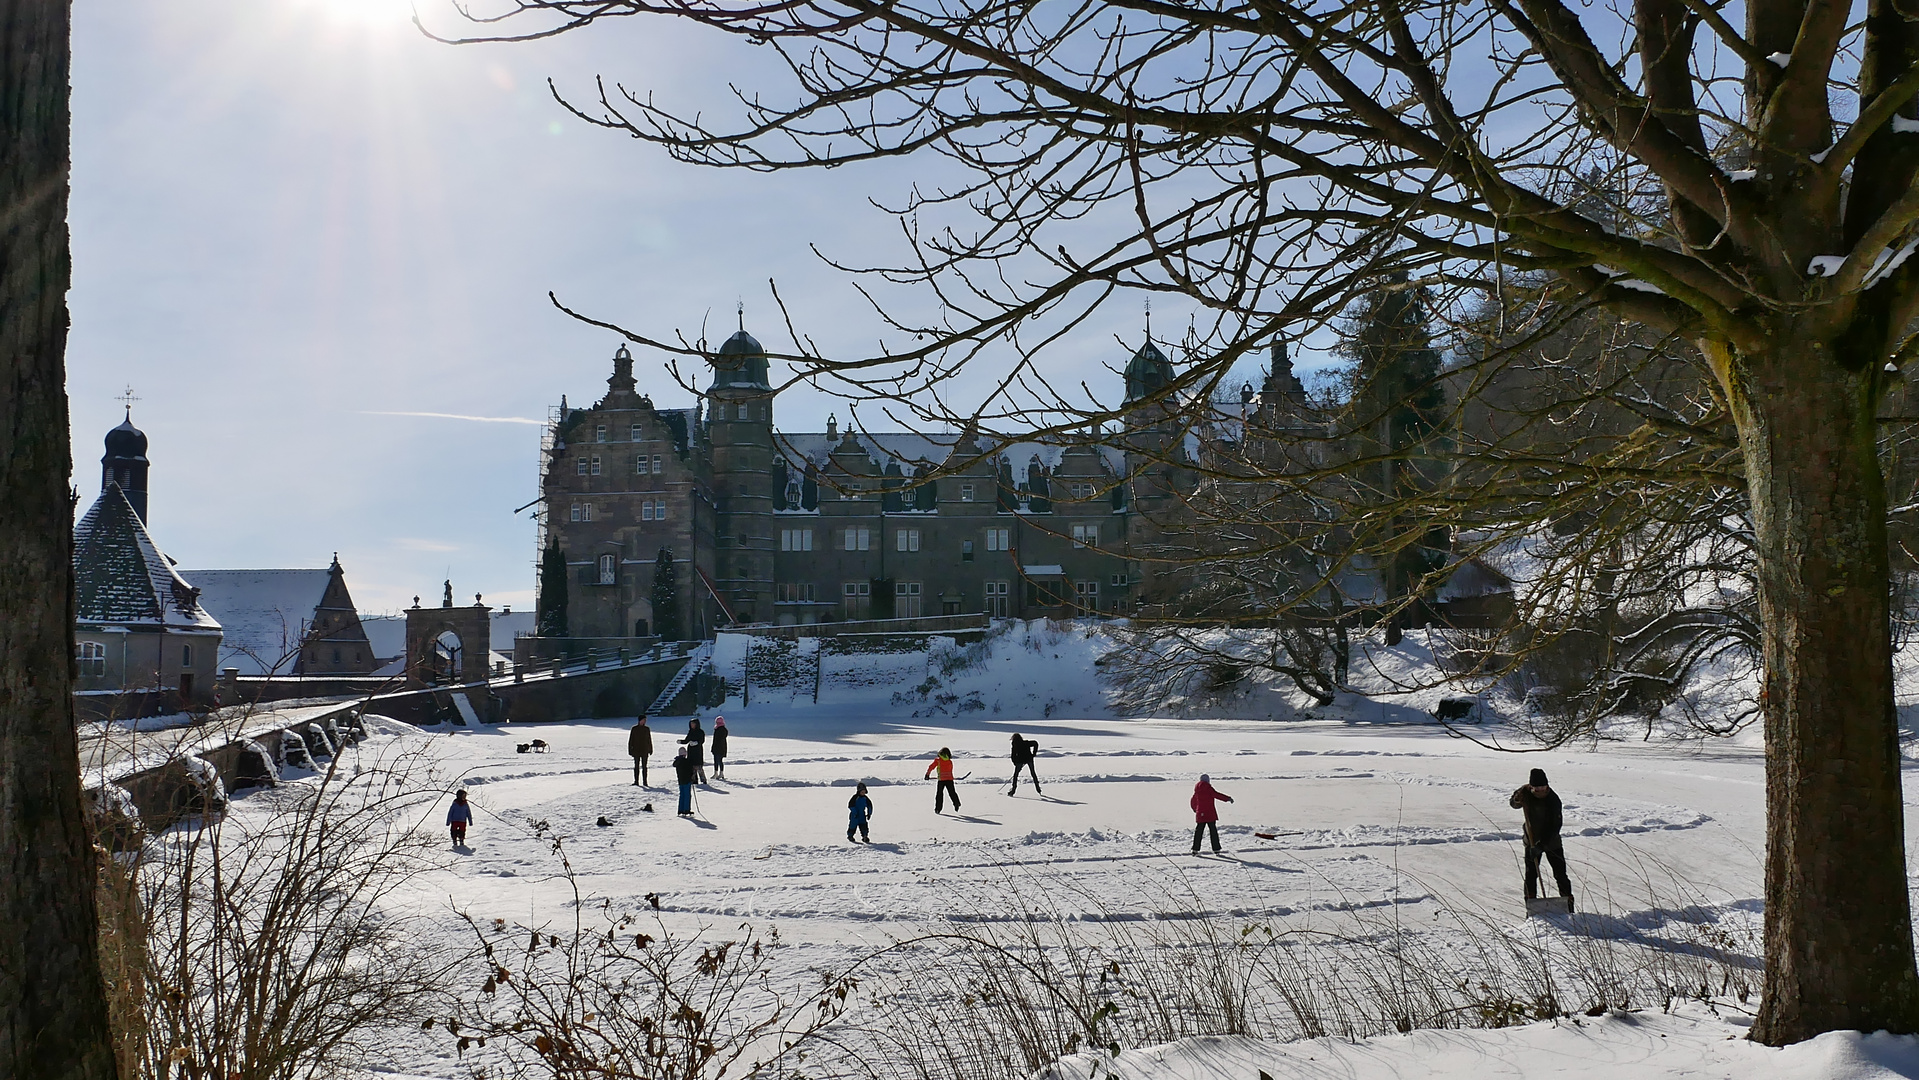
(127,399)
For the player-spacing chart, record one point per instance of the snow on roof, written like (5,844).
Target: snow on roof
(1474,578)
(121,576)
(266,614)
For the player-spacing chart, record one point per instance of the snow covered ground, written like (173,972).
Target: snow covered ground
(1380,823)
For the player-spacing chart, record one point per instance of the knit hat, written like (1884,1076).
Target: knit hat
(719,721)
(862,788)
(1204,779)
(944,752)
(1538,778)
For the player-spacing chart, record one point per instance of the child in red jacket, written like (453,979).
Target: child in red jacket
(1206,810)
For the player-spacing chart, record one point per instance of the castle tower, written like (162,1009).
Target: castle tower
(740,441)
(125,464)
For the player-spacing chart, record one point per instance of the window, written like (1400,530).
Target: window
(186,656)
(659,464)
(1082,492)
(966,493)
(798,592)
(1086,536)
(1086,594)
(633,435)
(966,553)
(609,569)
(93,659)
(906,599)
(336,656)
(999,539)
(1120,581)
(599,433)
(796,539)
(858,596)
(579,466)
(639,464)
(582,511)
(646,509)
(576,511)
(860,539)
(742,414)
(906,540)
(596,464)
(998,595)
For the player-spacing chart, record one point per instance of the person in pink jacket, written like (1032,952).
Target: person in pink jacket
(1206,802)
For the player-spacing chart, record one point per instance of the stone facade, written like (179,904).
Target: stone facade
(783,528)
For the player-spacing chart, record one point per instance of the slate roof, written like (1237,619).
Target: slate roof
(122,578)
(266,614)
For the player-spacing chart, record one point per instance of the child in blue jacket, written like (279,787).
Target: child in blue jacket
(458,817)
(859,811)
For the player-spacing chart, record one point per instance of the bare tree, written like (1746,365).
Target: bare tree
(1258,159)
(53,1012)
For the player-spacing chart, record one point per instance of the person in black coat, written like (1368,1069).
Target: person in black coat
(1543,821)
(1024,751)
(684,772)
(695,743)
(639,746)
(719,747)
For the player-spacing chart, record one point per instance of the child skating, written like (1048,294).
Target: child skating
(859,810)
(458,817)
(943,764)
(1206,811)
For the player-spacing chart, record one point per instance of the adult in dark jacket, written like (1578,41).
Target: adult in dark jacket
(695,743)
(1024,751)
(859,811)
(684,772)
(1205,804)
(1543,820)
(719,747)
(639,746)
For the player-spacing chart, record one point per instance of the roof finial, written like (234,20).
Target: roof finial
(128,399)
(1149,320)
(741,305)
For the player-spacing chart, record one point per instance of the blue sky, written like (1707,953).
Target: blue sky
(293,219)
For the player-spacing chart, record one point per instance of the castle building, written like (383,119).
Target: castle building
(774,527)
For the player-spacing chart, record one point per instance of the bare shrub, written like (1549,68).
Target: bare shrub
(270,951)
(613,1001)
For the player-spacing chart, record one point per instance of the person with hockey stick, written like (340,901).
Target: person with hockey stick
(943,764)
(1024,751)
(1205,803)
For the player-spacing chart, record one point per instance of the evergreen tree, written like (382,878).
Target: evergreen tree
(551,620)
(666,597)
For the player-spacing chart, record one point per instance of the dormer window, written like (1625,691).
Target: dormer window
(966,493)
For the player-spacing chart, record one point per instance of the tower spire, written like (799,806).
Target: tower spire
(1149,319)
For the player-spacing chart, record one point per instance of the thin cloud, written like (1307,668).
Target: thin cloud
(456,416)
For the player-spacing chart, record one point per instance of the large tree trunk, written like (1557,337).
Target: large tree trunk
(53,1014)
(1839,948)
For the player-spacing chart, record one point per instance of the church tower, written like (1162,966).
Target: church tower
(125,464)
(740,441)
